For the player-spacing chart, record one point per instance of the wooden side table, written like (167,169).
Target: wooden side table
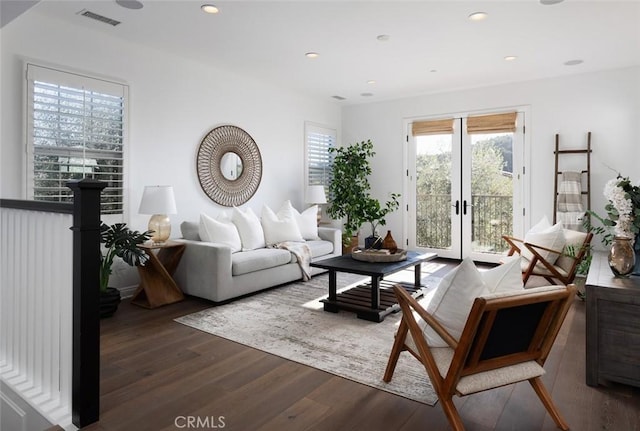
(157,286)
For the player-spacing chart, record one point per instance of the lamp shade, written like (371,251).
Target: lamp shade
(158,200)
(315,195)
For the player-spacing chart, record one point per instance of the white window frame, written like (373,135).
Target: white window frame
(59,76)
(318,138)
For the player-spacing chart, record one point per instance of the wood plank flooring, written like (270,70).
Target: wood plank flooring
(157,375)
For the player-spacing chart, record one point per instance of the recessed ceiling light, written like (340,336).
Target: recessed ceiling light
(130,4)
(366,94)
(312,54)
(433,71)
(371,81)
(209,8)
(573,62)
(510,58)
(550,2)
(383,37)
(478,16)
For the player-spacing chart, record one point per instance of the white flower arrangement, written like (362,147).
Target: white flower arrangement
(623,210)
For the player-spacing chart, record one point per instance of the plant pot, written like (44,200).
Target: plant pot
(109,302)
(373,242)
(348,248)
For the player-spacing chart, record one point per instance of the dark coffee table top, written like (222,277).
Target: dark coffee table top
(346,263)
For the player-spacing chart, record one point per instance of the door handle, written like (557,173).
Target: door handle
(457,205)
(465,204)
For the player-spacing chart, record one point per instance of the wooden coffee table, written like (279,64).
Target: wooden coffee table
(371,301)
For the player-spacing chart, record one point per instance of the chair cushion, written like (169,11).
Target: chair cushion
(545,235)
(488,379)
(574,240)
(452,301)
(504,278)
(540,269)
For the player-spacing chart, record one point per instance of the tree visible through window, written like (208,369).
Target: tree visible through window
(76,130)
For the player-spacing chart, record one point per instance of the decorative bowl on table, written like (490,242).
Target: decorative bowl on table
(382,255)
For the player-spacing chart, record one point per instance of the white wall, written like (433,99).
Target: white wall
(174,103)
(605,103)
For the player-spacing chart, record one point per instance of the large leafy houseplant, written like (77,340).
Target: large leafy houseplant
(122,242)
(349,190)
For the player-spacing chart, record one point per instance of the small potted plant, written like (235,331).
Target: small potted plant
(374,213)
(123,242)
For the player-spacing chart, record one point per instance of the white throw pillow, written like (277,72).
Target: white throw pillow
(278,229)
(307,221)
(545,235)
(452,301)
(504,278)
(249,228)
(222,232)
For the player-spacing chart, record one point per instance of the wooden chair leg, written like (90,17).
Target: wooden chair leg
(398,347)
(452,414)
(544,396)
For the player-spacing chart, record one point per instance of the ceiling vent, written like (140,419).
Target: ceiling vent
(98,17)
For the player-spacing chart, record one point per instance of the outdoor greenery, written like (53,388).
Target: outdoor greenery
(349,190)
(123,242)
(491,189)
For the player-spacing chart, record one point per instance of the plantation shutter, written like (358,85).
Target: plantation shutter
(319,160)
(75,130)
(493,123)
(432,127)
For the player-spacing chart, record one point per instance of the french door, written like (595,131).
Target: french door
(465,182)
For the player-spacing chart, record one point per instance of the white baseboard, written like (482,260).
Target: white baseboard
(127,291)
(17,414)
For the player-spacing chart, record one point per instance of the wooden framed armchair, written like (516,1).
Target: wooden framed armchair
(563,269)
(506,339)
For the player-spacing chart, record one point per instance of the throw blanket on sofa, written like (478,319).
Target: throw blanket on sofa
(303,254)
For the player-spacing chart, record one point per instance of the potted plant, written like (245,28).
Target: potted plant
(374,214)
(349,192)
(123,242)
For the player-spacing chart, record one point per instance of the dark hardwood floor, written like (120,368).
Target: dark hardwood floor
(158,375)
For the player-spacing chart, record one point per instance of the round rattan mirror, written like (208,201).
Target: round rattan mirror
(215,151)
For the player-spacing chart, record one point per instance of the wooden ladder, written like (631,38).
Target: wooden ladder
(558,152)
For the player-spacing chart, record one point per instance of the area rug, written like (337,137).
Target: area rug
(289,321)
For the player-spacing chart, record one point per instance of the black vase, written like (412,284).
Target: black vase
(373,241)
(109,302)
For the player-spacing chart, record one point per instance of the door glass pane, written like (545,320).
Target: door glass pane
(433,191)
(491,191)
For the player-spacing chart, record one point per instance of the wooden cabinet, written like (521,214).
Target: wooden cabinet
(613,325)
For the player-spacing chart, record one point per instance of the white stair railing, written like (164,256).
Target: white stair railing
(36,300)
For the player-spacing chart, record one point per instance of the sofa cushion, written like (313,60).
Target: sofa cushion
(279,229)
(320,248)
(249,228)
(189,230)
(219,231)
(256,260)
(307,221)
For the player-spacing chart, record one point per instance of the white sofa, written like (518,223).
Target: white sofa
(210,270)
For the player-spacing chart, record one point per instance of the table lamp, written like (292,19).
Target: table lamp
(316,196)
(159,201)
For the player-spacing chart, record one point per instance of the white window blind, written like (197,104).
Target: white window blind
(76,129)
(319,161)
